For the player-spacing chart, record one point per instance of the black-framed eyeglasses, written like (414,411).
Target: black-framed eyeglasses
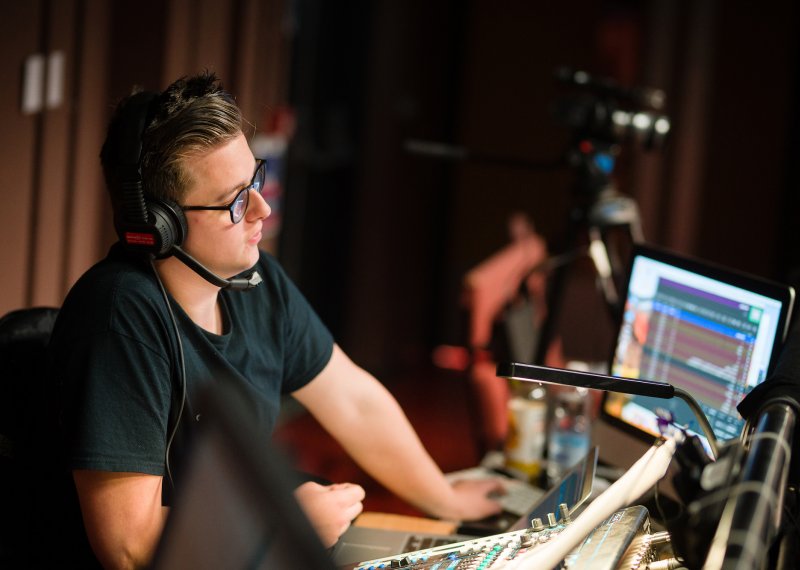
(238,207)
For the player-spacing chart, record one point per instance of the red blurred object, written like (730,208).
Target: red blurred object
(489,288)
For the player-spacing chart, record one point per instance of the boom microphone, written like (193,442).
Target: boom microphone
(234,284)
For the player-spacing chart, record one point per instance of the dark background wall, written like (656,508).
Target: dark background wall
(378,238)
(392,234)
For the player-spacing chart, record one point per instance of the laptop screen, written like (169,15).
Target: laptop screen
(713,332)
(573,489)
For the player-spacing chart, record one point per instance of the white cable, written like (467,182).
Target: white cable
(645,473)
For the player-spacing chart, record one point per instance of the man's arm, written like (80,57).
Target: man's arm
(122,514)
(364,417)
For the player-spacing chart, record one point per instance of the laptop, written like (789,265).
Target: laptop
(235,508)
(711,331)
(360,543)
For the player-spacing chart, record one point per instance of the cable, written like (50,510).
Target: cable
(792,519)
(657,500)
(708,431)
(181,368)
(633,484)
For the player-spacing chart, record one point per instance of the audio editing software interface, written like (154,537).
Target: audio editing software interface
(710,338)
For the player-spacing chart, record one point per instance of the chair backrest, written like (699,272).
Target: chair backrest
(24,335)
(24,400)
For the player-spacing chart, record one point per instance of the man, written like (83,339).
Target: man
(130,356)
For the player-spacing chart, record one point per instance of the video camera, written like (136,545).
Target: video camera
(600,109)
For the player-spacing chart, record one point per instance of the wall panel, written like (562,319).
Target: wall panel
(51,177)
(20,36)
(55,221)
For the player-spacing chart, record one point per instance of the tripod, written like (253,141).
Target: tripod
(599,208)
(602,114)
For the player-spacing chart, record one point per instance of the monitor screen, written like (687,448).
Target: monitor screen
(708,330)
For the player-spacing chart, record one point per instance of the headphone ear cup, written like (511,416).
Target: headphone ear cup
(169,221)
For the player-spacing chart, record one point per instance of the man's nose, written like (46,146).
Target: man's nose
(259,205)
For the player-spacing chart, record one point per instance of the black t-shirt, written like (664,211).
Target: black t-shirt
(114,354)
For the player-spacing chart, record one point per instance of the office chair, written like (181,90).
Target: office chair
(24,407)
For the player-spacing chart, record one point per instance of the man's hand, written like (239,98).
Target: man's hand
(475,500)
(330,508)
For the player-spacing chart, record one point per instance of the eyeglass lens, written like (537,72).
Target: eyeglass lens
(239,206)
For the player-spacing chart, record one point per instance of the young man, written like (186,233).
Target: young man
(129,362)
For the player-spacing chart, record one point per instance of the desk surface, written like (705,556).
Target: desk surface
(390,521)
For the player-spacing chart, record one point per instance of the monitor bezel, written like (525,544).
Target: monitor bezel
(766,287)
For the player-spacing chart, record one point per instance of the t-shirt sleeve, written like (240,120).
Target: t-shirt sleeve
(115,387)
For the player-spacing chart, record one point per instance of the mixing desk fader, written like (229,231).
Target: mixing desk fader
(622,540)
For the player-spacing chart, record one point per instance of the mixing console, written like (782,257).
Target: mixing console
(622,540)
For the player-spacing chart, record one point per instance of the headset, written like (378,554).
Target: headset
(156,228)
(152,226)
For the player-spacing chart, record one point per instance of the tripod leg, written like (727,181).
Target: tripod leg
(599,254)
(547,332)
(611,210)
(555,289)
(636,231)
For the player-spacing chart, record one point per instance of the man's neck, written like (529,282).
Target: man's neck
(197,297)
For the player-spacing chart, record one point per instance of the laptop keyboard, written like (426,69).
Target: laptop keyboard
(519,497)
(421,542)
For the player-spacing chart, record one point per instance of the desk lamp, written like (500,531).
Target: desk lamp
(595,381)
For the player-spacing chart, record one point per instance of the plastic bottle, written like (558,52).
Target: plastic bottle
(527,430)
(569,436)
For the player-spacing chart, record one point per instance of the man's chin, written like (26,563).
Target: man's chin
(254,257)
(245,266)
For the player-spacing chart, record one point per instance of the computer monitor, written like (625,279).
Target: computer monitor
(714,332)
(235,507)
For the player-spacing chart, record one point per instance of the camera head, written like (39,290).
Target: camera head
(600,109)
